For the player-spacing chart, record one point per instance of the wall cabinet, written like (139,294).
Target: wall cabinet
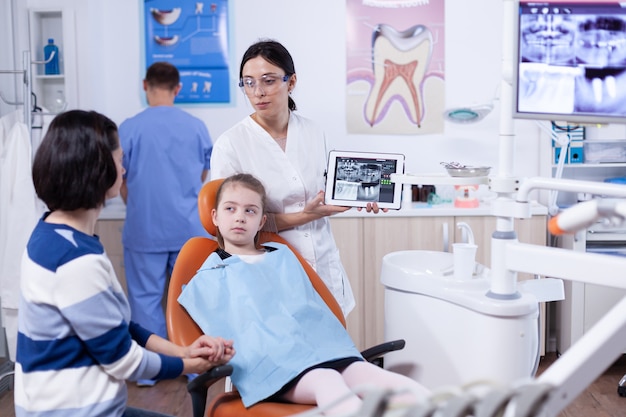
(585,304)
(55,92)
(363,241)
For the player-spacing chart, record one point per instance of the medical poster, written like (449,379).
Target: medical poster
(193,36)
(395,66)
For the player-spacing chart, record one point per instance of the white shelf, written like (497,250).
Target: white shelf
(50,77)
(586,166)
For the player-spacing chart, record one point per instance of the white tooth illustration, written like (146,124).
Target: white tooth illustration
(400,60)
(596,85)
(609,83)
(166,40)
(166,17)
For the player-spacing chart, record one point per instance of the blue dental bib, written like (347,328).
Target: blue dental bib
(278,322)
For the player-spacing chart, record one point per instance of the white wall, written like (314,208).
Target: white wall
(10,85)
(111,68)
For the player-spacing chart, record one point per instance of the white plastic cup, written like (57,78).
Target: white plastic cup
(464,256)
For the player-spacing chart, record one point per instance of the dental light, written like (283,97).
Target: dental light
(468,114)
(471,114)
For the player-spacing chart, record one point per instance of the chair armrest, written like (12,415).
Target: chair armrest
(6,375)
(198,387)
(375,352)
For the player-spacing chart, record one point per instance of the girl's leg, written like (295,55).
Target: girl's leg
(367,374)
(323,386)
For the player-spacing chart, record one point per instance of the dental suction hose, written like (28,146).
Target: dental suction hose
(585,214)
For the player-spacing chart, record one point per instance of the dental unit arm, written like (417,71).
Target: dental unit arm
(585,214)
(598,348)
(560,384)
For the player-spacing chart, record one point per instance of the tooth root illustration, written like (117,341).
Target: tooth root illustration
(400,60)
(391,73)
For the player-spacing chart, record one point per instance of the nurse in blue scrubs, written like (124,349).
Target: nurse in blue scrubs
(167,154)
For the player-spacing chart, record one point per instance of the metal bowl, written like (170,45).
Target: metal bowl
(469,171)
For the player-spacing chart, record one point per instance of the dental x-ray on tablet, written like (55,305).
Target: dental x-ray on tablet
(356,178)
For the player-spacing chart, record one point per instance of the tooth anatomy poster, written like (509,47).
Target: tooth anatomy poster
(193,36)
(395,66)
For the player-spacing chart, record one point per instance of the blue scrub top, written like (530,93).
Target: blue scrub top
(165,152)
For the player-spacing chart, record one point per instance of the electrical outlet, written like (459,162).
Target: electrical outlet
(576,155)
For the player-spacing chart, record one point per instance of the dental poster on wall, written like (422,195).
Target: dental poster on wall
(193,36)
(395,66)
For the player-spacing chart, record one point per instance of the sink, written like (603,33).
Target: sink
(455,332)
(425,271)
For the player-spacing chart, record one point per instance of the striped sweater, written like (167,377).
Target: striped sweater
(76,345)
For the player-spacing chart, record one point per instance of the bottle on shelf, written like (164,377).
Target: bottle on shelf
(51,53)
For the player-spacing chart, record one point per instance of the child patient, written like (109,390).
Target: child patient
(290,346)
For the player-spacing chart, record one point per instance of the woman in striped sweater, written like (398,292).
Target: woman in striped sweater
(76,343)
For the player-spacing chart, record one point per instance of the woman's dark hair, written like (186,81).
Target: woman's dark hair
(163,75)
(73,167)
(275,53)
(248,181)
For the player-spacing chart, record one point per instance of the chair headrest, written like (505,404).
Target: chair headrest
(206,203)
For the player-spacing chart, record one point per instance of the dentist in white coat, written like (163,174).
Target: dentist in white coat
(288,153)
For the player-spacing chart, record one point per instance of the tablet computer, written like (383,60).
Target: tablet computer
(357,178)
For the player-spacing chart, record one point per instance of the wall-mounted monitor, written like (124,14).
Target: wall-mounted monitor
(571,61)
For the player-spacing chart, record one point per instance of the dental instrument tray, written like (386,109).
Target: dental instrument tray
(456,169)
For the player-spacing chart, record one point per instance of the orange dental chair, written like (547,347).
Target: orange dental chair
(182,330)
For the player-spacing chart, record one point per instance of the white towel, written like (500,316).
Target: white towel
(19,211)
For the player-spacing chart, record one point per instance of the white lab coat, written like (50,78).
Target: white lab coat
(291,178)
(19,212)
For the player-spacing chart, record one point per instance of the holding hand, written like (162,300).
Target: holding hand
(372,207)
(214,349)
(317,209)
(207,352)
